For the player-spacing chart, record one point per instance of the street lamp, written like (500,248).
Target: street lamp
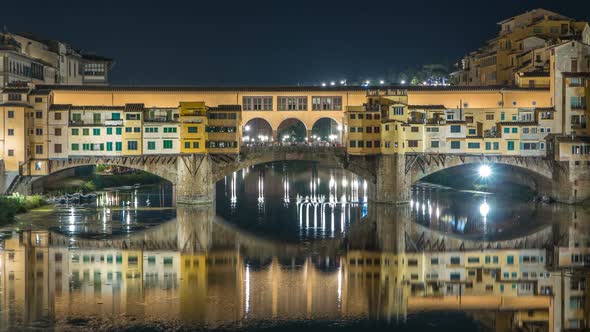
(484,209)
(332,83)
(339,128)
(403,82)
(247,128)
(485,171)
(381,82)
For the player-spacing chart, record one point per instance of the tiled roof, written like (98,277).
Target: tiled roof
(40,92)
(578,74)
(97,108)
(534,74)
(134,107)
(60,107)
(427,107)
(15,104)
(518,123)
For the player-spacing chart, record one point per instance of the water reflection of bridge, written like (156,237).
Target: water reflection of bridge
(208,271)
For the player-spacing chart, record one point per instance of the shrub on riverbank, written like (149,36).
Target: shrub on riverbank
(11,205)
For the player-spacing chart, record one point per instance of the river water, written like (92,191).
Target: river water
(292,246)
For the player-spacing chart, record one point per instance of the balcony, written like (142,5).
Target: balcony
(112,122)
(372,108)
(578,107)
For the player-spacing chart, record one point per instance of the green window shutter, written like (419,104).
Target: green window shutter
(506,130)
(151,145)
(109,131)
(167,144)
(85,131)
(118,146)
(515,130)
(109,146)
(118,130)
(116,116)
(488,146)
(75,147)
(510,145)
(75,131)
(96,131)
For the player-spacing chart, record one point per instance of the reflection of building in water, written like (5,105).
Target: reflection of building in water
(231,280)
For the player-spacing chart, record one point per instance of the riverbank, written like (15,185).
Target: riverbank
(12,205)
(98,181)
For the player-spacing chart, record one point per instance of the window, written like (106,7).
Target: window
(292,103)
(187,145)
(455,260)
(128,129)
(506,130)
(514,130)
(75,147)
(133,116)
(109,131)
(455,145)
(39,149)
(169,130)
(10,114)
(369,144)
(496,145)
(196,145)
(57,132)
(96,131)
(412,143)
(472,131)
(525,130)
(39,131)
(151,145)
(352,144)
(398,111)
(109,146)
(435,144)
(434,261)
(369,130)
(352,116)
(115,116)
(326,103)
(257,103)
(118,131)
(361,144)
(10,152)
(469,119)
(39,115)
(352,129)
(132,145)
(473,145)
(489,117)
(415,129)
(455,129)
(85,131)
(10,132)
(57,148)
(118,146)
(488,145)
(136,129)
(193,130)
(96,118)
(510,260)
(167,144)
(510,145)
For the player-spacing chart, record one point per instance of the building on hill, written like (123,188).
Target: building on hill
(522,46)
(27,58)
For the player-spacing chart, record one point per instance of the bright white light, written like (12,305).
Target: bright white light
(485,171)
(382,82)
(247,128)
(367,82)
(339,128)
(484,209)
(343,82)
(332,83)
(323,84)
(403,82)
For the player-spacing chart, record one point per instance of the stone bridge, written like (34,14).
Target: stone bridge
(390,176)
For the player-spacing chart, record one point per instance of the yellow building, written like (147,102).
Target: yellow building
(193,121)
(224,129)
(132,129)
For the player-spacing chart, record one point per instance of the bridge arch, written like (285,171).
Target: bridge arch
(257,130)
(327,129)
(535,172)
(155,165)
(292,130)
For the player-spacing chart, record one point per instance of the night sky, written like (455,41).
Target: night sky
(269,42)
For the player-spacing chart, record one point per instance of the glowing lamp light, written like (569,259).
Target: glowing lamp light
(485,171)
(484,209)
(381,82)
(403,82)
(339,128)
(323,84)
(332,83)
(247,128)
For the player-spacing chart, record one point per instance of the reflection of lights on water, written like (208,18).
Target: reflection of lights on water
(247,295)
(484,209)
(339,286)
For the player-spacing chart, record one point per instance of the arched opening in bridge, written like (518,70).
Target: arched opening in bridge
(292,131)
(257,130)
(326,130)
(106,185)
